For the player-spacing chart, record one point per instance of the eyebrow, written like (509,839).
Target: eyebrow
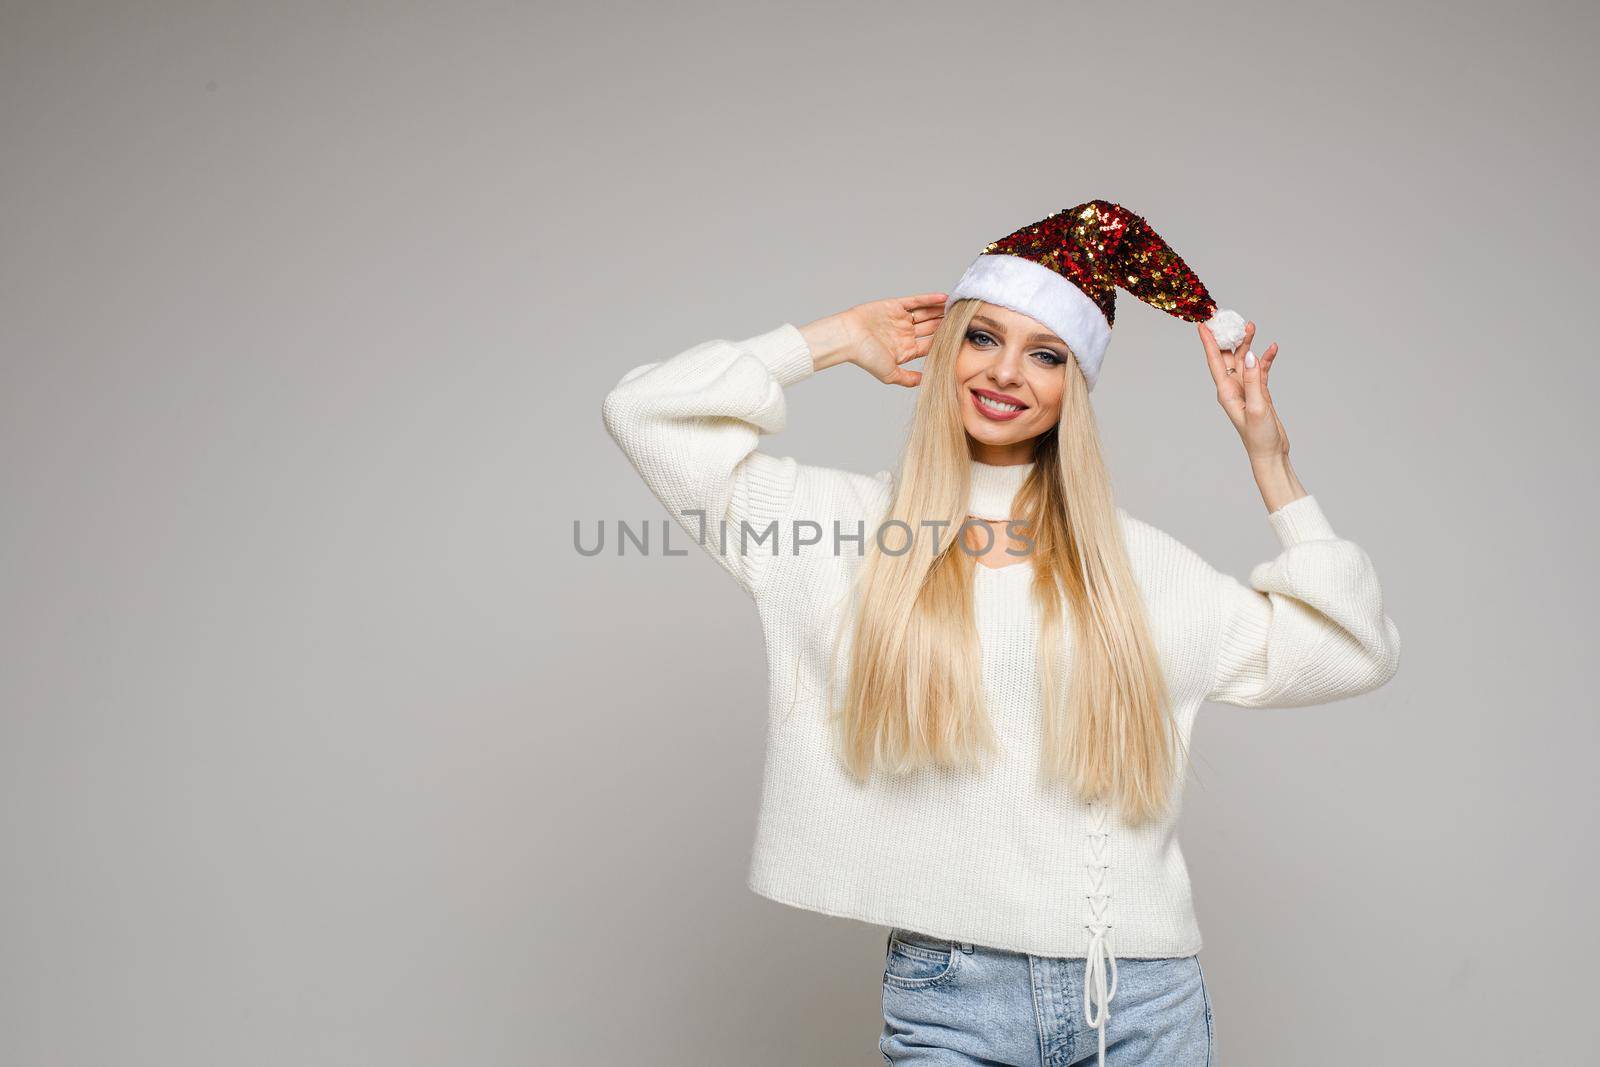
(1047,338)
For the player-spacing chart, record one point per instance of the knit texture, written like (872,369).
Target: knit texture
(995,857)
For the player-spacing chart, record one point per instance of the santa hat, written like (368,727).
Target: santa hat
(1063,271)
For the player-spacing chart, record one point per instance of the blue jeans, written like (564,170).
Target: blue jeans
(950,1003)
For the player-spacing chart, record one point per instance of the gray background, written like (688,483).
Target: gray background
(322,745)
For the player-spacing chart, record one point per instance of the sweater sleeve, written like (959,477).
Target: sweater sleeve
(690,426)
(1310,627)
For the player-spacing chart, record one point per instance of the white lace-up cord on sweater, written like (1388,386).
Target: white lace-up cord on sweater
(1097,993)
(991,856)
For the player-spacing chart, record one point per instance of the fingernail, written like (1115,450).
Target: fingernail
(1249,359)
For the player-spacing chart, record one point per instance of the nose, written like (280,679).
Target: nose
(1006,371)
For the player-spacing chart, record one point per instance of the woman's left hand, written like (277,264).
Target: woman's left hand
(1242,391)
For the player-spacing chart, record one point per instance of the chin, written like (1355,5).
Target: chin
(992,434)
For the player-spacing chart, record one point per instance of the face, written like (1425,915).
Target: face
(1012,372)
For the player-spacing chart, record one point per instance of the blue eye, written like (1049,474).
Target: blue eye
(1047,357)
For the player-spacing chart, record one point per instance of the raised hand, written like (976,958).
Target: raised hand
(894,332)
(879,336)
(1242,391)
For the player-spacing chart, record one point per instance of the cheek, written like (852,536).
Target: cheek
(966,364)
(1049,385)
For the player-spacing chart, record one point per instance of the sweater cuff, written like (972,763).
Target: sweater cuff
(784,351)
(1301,520)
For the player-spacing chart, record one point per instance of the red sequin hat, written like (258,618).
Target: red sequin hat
(1064,271)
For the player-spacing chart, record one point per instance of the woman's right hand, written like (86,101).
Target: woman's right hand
(879,336)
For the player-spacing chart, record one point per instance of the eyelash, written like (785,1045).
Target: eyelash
(1052,360)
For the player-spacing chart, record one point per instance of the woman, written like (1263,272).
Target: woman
(978,738)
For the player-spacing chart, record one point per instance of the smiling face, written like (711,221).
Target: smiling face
(1012,373)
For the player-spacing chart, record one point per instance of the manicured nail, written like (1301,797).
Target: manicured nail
(1249,359)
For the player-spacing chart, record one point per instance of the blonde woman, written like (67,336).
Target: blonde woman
(983,672)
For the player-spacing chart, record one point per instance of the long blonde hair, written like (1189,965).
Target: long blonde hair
(915,692)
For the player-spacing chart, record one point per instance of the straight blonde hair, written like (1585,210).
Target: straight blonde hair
(915,693)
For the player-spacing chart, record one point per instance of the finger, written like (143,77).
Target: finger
(921,347)
(1266,366)
(928,327)
(1234,358)
(1250,371)
(923,302)
(1219,370)
(1249,335)
(908,378)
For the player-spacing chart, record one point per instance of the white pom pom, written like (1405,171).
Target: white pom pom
(1227,327)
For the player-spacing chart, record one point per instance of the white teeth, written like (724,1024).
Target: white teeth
(998,405)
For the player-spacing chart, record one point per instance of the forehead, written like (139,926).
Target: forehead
(1016,322)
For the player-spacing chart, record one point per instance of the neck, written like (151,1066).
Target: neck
(993,489)
(1003,455)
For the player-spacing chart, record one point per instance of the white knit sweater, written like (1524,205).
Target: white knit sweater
(993,858)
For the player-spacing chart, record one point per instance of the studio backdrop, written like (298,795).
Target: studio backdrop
(322,740)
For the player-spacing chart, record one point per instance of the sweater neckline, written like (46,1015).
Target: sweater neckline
(985,571)
(993,490)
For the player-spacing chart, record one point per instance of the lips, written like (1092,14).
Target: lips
(1000,407)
